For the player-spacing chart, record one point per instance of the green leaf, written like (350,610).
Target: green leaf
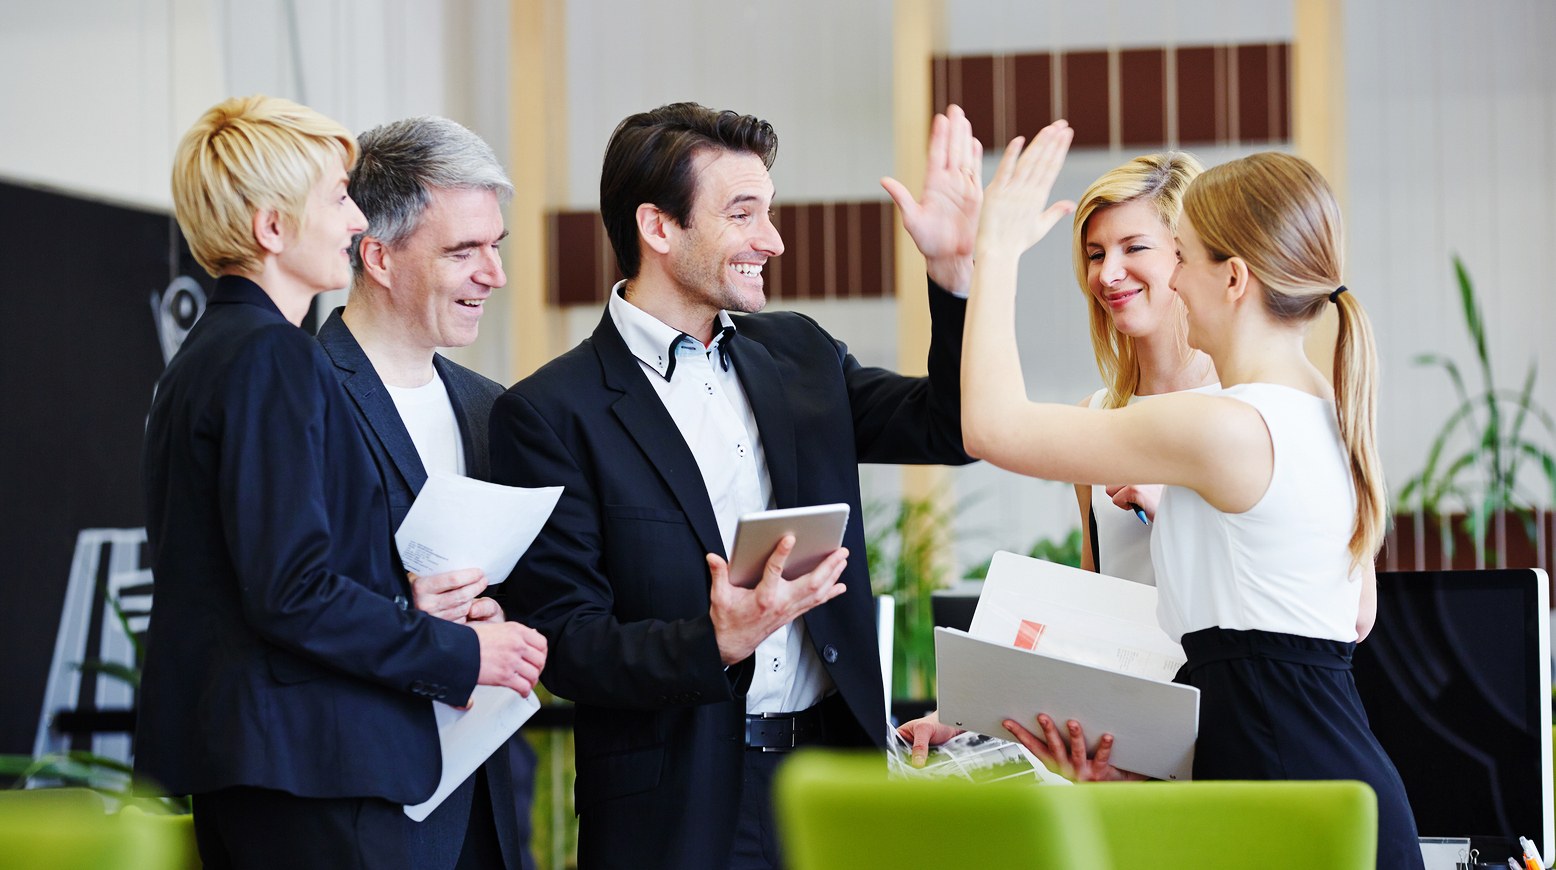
(123,673)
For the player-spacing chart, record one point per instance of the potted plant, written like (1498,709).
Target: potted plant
(1472,506)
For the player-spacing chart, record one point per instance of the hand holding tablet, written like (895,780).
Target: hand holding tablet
(817,530)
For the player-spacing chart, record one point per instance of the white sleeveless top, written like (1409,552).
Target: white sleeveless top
(1284,565)
(1123,542)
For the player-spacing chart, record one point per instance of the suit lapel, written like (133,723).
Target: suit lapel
(764,390)
(372,398)
(643,414)
(471,437)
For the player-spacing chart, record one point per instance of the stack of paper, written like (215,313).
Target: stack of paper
(1047,638)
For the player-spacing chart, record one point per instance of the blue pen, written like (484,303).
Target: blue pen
(1139,512)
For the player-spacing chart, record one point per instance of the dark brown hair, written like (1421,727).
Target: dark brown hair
(649,160)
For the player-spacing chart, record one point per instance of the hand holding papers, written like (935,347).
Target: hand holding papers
(456,523)
(459,522)
(1051,639)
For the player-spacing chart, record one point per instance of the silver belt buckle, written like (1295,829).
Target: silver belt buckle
(792,745)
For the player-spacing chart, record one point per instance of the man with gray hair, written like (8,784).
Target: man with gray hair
(432,192)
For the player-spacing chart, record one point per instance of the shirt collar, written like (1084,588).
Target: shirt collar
(653,341)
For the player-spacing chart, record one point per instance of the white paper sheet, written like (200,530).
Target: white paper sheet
(469,737)
(460,522)
(1074,614)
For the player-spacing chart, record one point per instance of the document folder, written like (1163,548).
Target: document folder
(983,683)
(1048,638)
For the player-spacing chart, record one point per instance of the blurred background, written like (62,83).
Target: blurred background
(1434,120)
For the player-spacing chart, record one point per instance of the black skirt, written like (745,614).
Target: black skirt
(1280,706)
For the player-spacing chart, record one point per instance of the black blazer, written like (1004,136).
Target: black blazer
(400,468)
(277,655)
(618,582)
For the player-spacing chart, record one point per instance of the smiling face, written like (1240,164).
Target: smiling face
(1130,262)
(317,256)
(441,276)
(716,260)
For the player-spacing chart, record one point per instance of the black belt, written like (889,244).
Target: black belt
(782,732)
(1222,644)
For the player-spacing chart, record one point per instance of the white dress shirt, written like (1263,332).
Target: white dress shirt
(705,398)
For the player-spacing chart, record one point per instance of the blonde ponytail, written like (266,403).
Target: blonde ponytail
(1356,405)
(1276,213)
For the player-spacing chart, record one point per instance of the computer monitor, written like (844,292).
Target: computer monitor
(1456,680)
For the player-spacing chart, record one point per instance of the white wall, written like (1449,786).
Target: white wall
(1451,119)
(819,70)
(1017,26)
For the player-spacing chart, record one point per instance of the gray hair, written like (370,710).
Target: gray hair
(402,161)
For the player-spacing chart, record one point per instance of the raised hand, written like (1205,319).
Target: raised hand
(944,223)
(743,618)
(1069,760)
(1016,213)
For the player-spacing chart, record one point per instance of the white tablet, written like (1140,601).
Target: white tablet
(817,531)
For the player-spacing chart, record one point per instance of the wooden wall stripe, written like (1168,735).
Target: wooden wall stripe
(1223,94)
(832,250)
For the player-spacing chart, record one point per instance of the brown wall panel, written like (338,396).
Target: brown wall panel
(1143,96)
(1033,93)
(939,83)
(578,258)
(1086,97)
(1282,91)
(815,241)
(871,228)
(977,96)
(841,250)
(1253,94)
(1198,95)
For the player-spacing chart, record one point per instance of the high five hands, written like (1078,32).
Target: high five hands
(1016,213)
(944,223)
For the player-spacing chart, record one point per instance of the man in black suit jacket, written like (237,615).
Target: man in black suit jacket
(665,426)
(286,683)
(432,192)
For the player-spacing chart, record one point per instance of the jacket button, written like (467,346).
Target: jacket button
(402,602)
(829,652)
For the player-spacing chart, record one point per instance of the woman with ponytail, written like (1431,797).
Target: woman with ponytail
(1274,500)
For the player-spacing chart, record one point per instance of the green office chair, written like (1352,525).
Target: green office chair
(1237,825)
(838,811)
(69,829)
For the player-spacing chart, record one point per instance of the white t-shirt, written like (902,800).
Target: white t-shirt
(429,417)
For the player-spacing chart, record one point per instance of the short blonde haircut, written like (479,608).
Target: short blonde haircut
(1278,214)
(1157,179)
(245,155)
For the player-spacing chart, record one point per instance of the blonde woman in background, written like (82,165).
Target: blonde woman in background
(1124,261)
(1274,504)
